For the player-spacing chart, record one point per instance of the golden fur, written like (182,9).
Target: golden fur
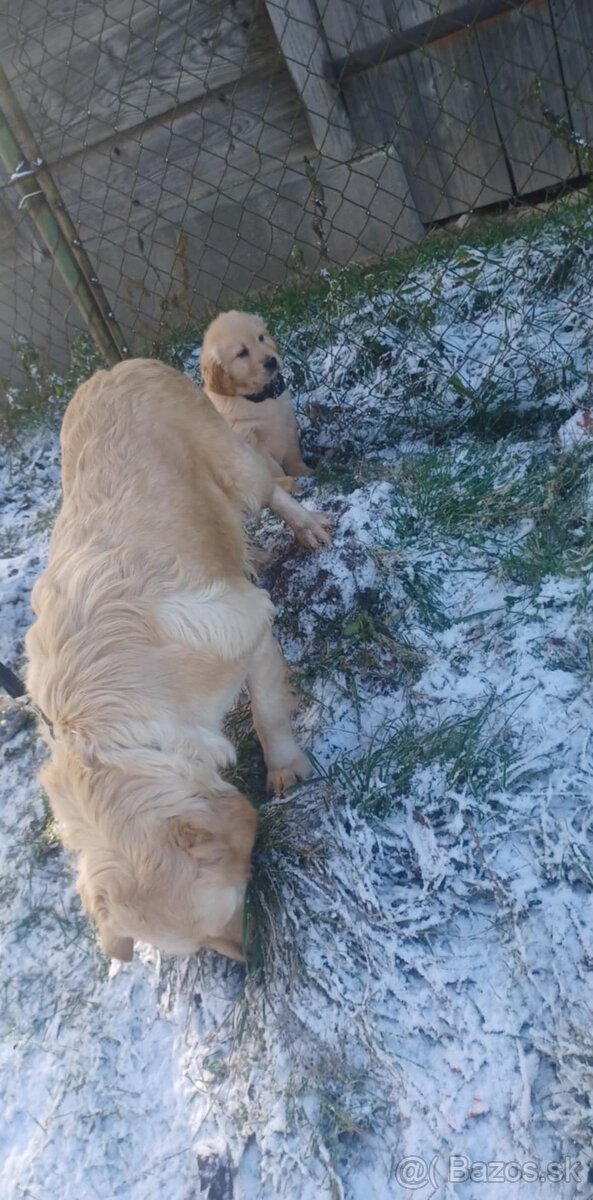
(147,627)
(239,358)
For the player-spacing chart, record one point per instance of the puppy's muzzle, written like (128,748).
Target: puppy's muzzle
(271,363)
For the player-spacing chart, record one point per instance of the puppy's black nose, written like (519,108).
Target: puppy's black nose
(270,362)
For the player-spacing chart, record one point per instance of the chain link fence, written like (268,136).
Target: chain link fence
(163,159)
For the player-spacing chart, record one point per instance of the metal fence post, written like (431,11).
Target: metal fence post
(33,180)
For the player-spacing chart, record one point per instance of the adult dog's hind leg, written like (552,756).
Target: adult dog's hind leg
(270,703)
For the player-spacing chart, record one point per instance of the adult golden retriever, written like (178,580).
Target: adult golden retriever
(242,373)
(147,627)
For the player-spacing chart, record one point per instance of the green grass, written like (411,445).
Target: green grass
(560,542)
(287,846)
(473,495)
(363,642)
(421,583)
(466,490)
(45,835)
(475,751)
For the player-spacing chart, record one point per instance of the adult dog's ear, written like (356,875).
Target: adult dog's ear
(115,946)
(220,839)
(95,896)
(228,948)
(216,379)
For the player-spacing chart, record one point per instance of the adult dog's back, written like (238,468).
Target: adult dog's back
(146,628)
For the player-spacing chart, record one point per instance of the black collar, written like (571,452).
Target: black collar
(17,691)
(272,390)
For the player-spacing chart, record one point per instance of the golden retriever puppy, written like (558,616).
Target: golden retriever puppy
(147,627)
(242,373)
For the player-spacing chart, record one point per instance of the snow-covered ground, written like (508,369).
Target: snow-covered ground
(424,907)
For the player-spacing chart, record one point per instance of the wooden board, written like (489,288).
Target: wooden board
(573,22)
(357,24)
(351,26)
(370,211)
(109,67)
(432,106)
(448,136)
(223,141)
(413,12)
(39,22)
(298,29)
(519,55)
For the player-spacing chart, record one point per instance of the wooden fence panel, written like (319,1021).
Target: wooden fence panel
(573,22)
(404,14)
(351,26)
(224,141)
(524,77)
(347,27)
(80,78)
(432,105)
(300,35)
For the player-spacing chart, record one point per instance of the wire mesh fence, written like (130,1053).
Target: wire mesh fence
(161,160)
(402,188)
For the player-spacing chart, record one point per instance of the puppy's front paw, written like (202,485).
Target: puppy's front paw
(314,532)
(281,778)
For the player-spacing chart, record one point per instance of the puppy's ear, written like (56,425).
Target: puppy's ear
(216,379)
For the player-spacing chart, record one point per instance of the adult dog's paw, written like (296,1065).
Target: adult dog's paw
(281,778)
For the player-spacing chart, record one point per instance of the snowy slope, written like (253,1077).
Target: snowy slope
(424,904)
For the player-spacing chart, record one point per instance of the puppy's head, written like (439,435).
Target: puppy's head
(182,887)
(238,356)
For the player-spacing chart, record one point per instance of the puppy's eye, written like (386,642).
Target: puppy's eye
(261,337)
(244,353)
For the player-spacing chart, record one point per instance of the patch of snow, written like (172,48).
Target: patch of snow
(427,1001)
